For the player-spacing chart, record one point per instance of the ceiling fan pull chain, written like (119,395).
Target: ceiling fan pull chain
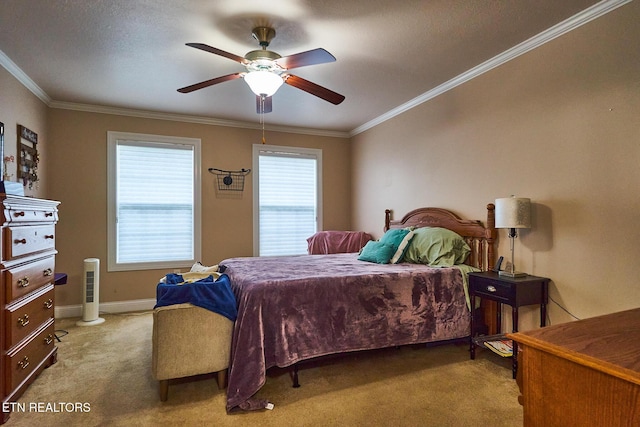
(262,117)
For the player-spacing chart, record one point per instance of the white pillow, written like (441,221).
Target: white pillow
(199,268)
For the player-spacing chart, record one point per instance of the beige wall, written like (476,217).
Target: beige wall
(19,106)
(560,125)
(79,172)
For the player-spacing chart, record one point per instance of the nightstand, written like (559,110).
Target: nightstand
(516,292)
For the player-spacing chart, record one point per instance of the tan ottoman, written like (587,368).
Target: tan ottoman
(187,341)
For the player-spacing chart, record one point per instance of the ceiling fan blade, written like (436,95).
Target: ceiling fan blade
(265,106)
(217,51)
(211,82)
(313,89)
(310,57)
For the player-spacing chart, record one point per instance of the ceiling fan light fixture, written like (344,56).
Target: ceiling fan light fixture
(267,71)
(263,83)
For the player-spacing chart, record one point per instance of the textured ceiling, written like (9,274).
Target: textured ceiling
(131,54)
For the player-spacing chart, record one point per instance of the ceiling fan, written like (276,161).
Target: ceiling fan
(267,70)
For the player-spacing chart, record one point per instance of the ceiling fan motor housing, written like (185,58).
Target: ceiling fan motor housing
(263,59)
(264,35)
(256,55)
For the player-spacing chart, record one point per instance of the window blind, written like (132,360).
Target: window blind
(288,202)
(154,202)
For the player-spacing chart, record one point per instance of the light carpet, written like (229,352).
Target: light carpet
(103,378)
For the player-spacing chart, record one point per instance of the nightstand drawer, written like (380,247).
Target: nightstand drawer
(492,289)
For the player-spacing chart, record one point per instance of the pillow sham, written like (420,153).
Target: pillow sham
(376,251)
(437,247)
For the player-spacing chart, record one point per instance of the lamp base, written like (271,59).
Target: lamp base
(511,274)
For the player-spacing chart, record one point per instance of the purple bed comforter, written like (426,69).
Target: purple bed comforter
(295,308)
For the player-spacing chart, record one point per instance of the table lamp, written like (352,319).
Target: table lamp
(512,213)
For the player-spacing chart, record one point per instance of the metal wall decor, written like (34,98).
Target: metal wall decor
(230,180)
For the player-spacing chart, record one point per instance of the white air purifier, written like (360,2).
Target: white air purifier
(90,293)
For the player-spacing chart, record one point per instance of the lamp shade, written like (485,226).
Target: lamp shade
(263,82)
(513,212)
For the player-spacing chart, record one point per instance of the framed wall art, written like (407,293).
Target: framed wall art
(27,157)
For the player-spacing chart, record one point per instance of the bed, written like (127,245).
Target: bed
(296,308)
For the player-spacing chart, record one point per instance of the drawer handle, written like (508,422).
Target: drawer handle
(48,339)
(23,283)
(17,214)
(17,241)
(24,320)
(48,303)
(48,214)
(47,272)
(49,236)
(24,362)
(491,288)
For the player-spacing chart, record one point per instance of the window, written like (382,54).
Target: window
(153,201)
(287,206)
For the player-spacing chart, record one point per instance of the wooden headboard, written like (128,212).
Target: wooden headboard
(480,239)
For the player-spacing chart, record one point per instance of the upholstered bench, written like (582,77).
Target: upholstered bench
(188,341)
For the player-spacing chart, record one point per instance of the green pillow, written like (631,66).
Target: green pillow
(437,247)
(378,252)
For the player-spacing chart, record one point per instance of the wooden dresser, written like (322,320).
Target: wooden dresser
(27,298)
(583,373)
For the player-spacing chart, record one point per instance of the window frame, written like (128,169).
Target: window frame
(113,139)
(288,151)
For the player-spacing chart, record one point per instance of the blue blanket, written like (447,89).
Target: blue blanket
(214,295)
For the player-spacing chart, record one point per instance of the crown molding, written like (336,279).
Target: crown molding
(20,75)
(191,119)
(587,15)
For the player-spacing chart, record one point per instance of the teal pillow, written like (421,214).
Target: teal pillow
(437,247)
(394,237)
(378,252)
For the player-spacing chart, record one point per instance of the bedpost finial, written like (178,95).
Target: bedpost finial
(492,233)
(491,215)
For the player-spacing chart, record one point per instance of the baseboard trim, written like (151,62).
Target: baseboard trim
(66,311)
